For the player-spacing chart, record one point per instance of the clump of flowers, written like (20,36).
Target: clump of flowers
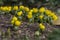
(23,13)
(29,15)
(20,13)
(15,21)
(5,8)
(41,26)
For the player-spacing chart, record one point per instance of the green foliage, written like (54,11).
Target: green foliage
(55,35)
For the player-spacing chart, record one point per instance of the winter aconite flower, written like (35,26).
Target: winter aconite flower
(42,9)
(4,8)
(31,10)
(26,9)
(17,23)
(19,13)
(29,13)
(42,27)
(29,16)
(47,12)
(35,10)
(15,8)
(55,17)
(52,14)
(9,8)
(12,22)
(14,18)
(21,7)
(41,16)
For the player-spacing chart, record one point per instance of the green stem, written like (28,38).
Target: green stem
(26,37)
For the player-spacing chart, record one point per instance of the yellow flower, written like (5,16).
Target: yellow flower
(15,8)
(42,27)
(9,8)
(14,18)
(26,9)
(19,13)
(35,10)
(31,10)
(48,12)
(12,22)
(52,14)
(4,8)
(40,24)
(29,16)
(42,9)
(55,17)
(21,7)
(29,13)
(17,23)
(41,16)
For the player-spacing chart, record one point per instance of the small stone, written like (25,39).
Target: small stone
(19,31)
(37,33)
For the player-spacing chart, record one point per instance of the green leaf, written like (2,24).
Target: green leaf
(31,20)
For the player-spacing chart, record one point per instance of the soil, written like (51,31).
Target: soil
(22,31)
